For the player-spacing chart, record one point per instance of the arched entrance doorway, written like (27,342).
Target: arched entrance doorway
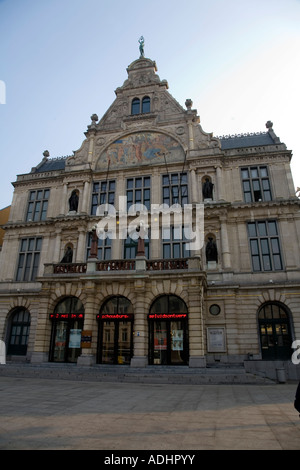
(115,332)
(19,333)
(275,331)
(67,324)
(168,331)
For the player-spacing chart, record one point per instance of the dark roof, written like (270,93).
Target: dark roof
(53,164)
(246,140)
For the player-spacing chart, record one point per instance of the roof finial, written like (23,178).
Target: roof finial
(142,43)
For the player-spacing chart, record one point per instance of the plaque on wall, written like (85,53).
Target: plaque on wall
(216,341)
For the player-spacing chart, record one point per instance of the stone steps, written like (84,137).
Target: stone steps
(151,374)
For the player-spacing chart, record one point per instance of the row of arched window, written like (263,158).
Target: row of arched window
(274,321)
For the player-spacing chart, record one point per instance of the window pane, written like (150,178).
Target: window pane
(254,173)
(264,247)
(146,105)
(262,229)
(245,173)
(166,251)
(272,226)
(254,247)
(263,171)
(176,250)
(252,229)
(256,263)
(135,106)
(267,263)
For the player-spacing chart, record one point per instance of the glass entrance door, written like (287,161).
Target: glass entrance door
(66,345)
(160,342)
(116,342)
(168,342)
(275,332)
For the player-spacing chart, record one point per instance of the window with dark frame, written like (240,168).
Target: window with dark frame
(37,205)
(104,247)
(256,184)
(174,243)
(130,247)
(265,246)
(29,258)
(138,191)
(20,328)
(175,189)
(103,193)
(138,107)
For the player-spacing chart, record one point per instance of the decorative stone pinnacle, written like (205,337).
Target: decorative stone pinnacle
(94,118)
(46,154)
(269,125)
(189,104)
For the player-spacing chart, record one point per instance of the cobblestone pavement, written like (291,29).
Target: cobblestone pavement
(64,414)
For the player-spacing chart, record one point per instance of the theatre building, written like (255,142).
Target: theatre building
(93,271)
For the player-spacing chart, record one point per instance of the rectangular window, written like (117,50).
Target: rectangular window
(138,191)
(103,193)
(264,246)
(174,243)
(175,189)
(130,247)
(29,258)
(37,205)
(104,247)
(256,184)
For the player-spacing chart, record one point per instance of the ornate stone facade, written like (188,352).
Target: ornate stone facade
(234,299)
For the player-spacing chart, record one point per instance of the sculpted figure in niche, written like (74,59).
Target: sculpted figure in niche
(73,201)
(207,189)
(211,250)
(68,256)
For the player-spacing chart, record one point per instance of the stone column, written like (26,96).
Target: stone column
(81,247)
(140,339)
(64,200)
(220,196)
(88,355)
(196,324)
(225,245)
(194,187)
(56,255)
(85,197)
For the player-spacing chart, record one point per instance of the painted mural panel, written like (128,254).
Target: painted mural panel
(142,148)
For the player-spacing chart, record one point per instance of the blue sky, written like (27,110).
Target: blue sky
(61,60)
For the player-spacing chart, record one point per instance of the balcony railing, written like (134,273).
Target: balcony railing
(123,265)
(69,268)
(166,264)
(116,265)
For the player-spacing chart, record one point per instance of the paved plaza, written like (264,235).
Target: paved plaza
(38,413)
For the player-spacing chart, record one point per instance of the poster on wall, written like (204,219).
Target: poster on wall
(75,339)
(216,341)
(177,340)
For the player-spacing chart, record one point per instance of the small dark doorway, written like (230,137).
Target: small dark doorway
(115,333)
(168,332)
(275,332)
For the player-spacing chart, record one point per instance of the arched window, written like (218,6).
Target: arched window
(146,105)
(135,106)
(167,304)
(275,331)
(20,327)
